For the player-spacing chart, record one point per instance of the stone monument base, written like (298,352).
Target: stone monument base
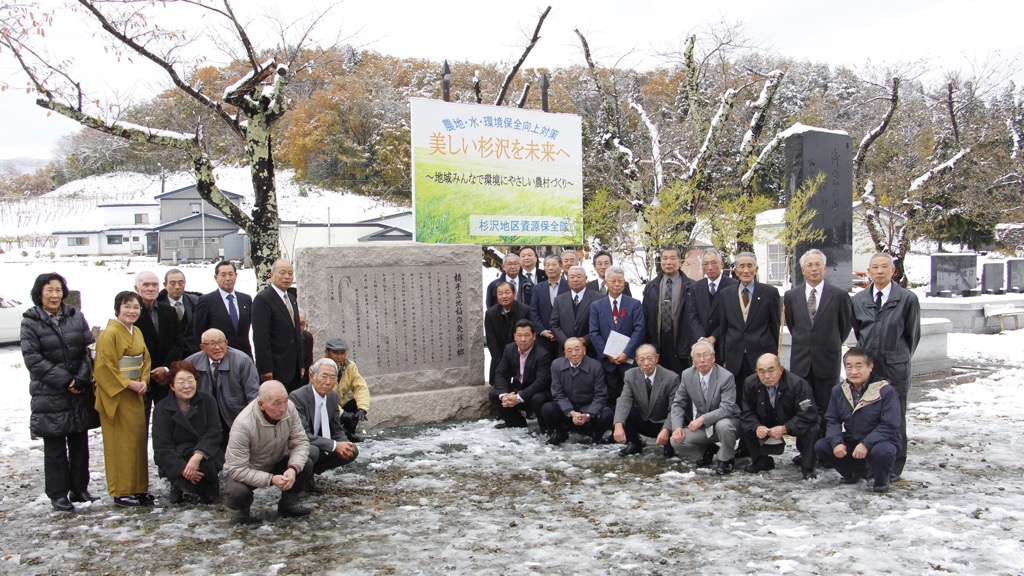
(414,408)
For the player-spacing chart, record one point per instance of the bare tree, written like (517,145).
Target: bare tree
(258,97)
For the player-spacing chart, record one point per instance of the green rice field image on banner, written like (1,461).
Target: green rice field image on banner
(496,175)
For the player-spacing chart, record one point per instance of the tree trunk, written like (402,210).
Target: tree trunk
(264,232)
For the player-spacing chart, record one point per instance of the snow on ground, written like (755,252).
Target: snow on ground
(464,498)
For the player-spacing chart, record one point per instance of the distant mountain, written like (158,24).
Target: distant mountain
(22,165)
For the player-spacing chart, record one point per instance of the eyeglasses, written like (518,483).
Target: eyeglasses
(703,356)
(217,343)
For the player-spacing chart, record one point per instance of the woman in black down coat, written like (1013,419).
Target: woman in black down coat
(54,342)
(186,438)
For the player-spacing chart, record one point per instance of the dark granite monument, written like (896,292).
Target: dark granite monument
(412,316)
(992,281)
(1014,275)
(957,273)
(809,152)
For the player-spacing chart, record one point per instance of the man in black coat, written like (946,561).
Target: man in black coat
(602,262)
(702,298)
(817,351)
(748,320)
(521,285)
(162,333)
(277,335)
(570,314)
(777,402)
(225,309)
(579,397)
(664,305)
(523,379)
(184,304)
(499,324)
(543,302)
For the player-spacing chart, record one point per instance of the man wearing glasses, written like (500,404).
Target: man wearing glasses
(227,374)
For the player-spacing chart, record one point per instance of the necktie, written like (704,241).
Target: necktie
(746,297)
(812,302)
(604,288)
(214,373)
(179,309)
(771,395)
(576,300)
(711,288)
(574,370)
(233,312)
(288,306)
(704,387)
(666,307)
(615,311)
(878,299)
(649,385)
(553,290)
(325,425)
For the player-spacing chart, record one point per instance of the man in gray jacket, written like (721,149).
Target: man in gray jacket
(887,322)
(267,447)
(227,374)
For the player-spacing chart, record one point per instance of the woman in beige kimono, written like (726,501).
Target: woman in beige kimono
(122,372)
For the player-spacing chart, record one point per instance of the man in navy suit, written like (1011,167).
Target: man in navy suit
(749,318)
(820,317)
(521,285)
(664,305)
(225,309)
(528,262)
(543,302)
(570,314)
(184,305)
(578,396)
(523,379)
(277,335)
(701,300)
(616,313)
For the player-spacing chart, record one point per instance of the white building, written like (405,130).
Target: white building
(126,229)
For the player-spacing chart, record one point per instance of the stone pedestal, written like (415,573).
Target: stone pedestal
(1014,275)
(411,314)
(811,152)
(954,272)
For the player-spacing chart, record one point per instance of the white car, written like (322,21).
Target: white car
(10,319)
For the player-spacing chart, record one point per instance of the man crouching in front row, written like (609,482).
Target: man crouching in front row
(863,424)
(267,447)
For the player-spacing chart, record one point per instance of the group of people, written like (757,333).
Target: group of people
(181,364)
(695,364)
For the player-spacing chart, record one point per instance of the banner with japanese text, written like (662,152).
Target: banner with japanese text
(496,175)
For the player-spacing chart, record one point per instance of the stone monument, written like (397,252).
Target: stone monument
(992,278)
(809,152)
(957,273)
(413,318)
(1014,275)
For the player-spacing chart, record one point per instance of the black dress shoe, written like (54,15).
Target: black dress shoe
(313,487)
(631,448)
(207,498)
(881,488)
(146,498)
(808,473)
(762,464)
(175,495)
(668,451)
(709,456)
(725,467)
(893,477)
(82,496)
(855,479)
(557,438)
(798,460)
(243,517)
(62,504)
(128,501)
(353,437)
(292,510)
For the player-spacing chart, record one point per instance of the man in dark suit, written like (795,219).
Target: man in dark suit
(664,306)
(819,316)
(616,313)
(521,285)
(777,403)
(602,262)
(749,318)
(711,391)
(277,337)
(184,304)
(499,324)
(578,396)
(318,406)
(887,322)
(543,302)
(528,261)
(569,259)
(523,379)
(702,298)
(645,404)
(570,314)
(162,332)
(225,309)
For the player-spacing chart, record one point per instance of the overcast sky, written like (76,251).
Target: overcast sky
(948,34)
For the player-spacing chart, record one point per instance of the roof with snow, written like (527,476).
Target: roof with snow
(192,188)
(180,221)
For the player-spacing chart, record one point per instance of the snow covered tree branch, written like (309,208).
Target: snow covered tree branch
(700,163)
(760,106)
(870,137)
